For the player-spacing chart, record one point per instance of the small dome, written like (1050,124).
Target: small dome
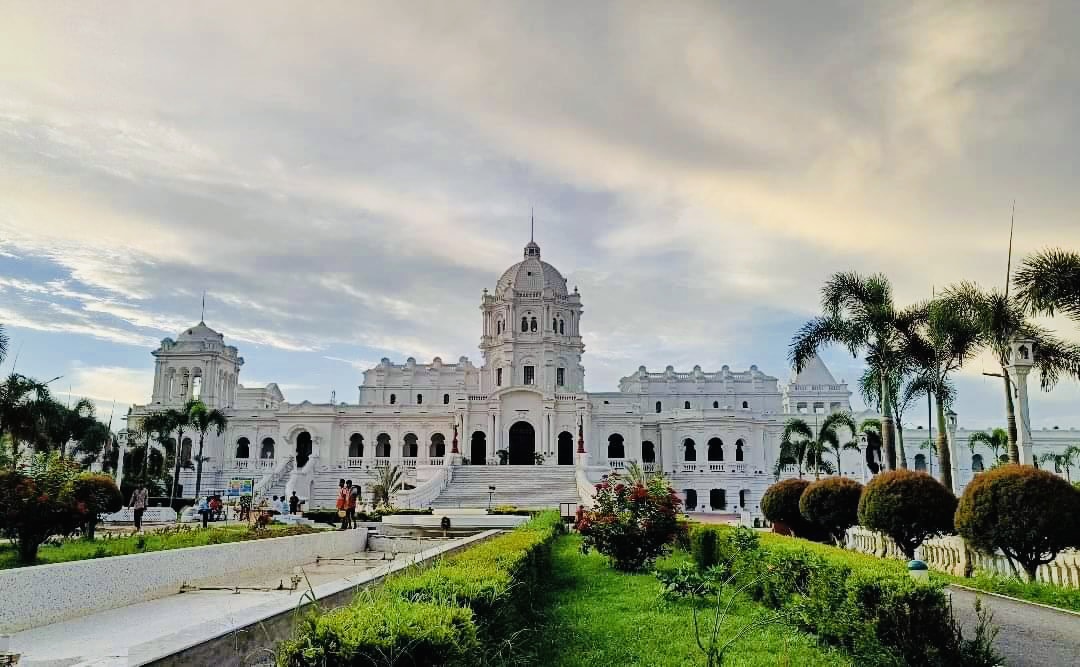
(531,274)
(199,332)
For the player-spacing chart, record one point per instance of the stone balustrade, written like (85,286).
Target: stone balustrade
(950,554)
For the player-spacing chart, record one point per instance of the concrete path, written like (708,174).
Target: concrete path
(1029,634)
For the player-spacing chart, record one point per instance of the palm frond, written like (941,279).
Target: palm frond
(1049,281)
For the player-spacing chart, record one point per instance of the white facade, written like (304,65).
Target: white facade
(715,434)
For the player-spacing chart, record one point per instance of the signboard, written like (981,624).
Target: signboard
(240,487)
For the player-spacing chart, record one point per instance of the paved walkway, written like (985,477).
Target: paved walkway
(1029,634)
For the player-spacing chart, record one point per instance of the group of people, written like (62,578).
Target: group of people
(348,501)
(210,507)
(280,506)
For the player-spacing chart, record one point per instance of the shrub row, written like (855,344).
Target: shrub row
(323,515)
(868,606)
(452,613)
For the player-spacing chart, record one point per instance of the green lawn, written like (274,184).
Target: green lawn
(1048,594)
(592,615)
(77,549)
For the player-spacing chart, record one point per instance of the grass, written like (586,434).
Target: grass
(79,549)
(593,615)
(1043,593)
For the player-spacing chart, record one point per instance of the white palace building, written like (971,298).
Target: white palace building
(520,422)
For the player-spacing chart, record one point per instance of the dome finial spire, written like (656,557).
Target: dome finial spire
(532,226)
(531,248)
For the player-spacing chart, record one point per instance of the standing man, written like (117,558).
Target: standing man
(342,499)
(294,503)
(350,507)
(138,504)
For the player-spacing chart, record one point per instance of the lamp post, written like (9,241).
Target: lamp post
(1021,359)
(491,494)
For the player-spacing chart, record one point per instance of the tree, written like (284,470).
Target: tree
(832,504)
(799,445)
(156,426)
(37,503)
(387,484)
(631,524)
(1030,514)
(60,424)
(94,494)
(940,346)
(23,401)
(1049,282)
(93,444)
(780,505)
(3,344)
(178,421)
(1063,461)
(996,440)
(201,420)
(859,314)
(1002,319)
(910,507)
(870,388)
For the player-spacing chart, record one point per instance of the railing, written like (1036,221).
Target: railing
(566,397)
(409,463)
(249,464)
(586,489)
(354,462)
(949,554)
(689,467)
(427,491)
(382,463)
(478,397)
(493,460)
(436,461)
(738,468)
(617,464)
(716,467)
(649,467)
(269,480)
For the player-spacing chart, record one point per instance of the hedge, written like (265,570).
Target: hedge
(472,597)
(870,607)
(324,515)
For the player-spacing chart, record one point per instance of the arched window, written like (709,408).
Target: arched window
(267,450)
(691,500)
(554,325)
(648,452)
(716,449)
(562,327)
(382,446)
(532,325)
(615,449)
(658,407)
(437,447)
(745,405)
(739,450)
(185,451)
(393,399)
(196,387)
(742,498)
(717,499)
(498,326)
(356,446)
(410,449)
(419,399)
(524,324)
(686,405)
(716,404)
(977,463)
(243,448)
(920,462)
(689,450)
(446,399)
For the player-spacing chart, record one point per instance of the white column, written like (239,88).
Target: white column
(543,431)
(1023,415)
(496,436)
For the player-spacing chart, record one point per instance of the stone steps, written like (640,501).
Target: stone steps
(521,486)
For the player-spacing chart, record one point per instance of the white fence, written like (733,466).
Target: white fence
(951,555)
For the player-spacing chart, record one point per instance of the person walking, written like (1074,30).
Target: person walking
(350,507)
(138,505)
(294,503)
(342,499)
(354,503)
(204,510)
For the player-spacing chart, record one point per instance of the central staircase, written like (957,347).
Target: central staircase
(532,487)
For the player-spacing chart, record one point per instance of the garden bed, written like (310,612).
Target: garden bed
(68,550)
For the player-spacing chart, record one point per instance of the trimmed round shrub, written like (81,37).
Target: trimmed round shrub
(910,507)
(94,494)
(780,505)
(832,504)
(1030,514)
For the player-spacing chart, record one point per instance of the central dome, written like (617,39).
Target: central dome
(531,274)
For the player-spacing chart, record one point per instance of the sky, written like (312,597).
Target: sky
(344,179)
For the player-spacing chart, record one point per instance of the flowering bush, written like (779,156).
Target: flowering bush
(38,503)
(632,522)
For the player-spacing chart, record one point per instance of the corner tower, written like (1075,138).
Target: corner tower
(198,364)
(531,330)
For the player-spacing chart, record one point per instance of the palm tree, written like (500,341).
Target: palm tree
(60,424)
(93,443)
(870,387)
(159,423)
(3,344)
(800,446)
(871,430)
(23,402)
(1063,461)
(202,419)
(1002,320)
(178,421)
(387,484)
(635,474)
(859,314)
(996,440)
(1049,282)
(947,339)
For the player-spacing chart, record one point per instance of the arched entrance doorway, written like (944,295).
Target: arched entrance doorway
(522,444)
(303,449)
(478,449)
(566,449)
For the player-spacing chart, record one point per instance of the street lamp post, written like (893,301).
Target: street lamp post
(491,494)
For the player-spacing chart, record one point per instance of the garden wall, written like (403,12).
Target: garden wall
(948,554)
(43,594)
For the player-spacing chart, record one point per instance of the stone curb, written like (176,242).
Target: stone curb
(1009,597)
